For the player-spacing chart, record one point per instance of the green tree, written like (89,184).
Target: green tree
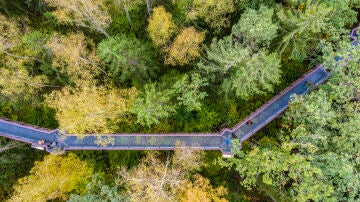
(15,163)
(282,175)
(53,178)
(223,55)
(255,76)
(22,51)
(11,33)
(34,46)
(97,191)
(189,91)
(12,7)
(160,101)
(249,73)
(153,104)
(22,8)
(254,4)
(128,57)
(16,82)
(127,6)
(354,4)
(303,28)
(35,43)
(256,27)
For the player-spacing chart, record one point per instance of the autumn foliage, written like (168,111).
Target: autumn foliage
(52,178)
(186,47)
(161,27)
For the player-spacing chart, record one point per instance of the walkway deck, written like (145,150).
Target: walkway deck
(56,142)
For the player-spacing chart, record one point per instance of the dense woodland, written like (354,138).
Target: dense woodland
(156,66)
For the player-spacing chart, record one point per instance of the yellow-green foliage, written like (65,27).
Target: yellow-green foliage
(186,47)
(52,178)
(90,108)
(74,55)
(161,26)
(9,32)
(201,190)
(213,12)
(17,84)
(83,13)
(159,178)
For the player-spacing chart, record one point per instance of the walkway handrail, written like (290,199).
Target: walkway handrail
(28,126)
(276,98)
(273,99)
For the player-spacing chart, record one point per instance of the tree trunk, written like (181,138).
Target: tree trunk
(127,13)
(10,146)
(103,31)
(266,188)
(148,5)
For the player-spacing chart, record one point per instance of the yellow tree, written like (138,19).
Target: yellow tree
(84,13)
(10,40)
(16,84)
(89,109)
(52,178)
(15,38)
(213,12)
(74,55)
(9,34)
(160,177)
(201,190)
(186,47)
(161,27)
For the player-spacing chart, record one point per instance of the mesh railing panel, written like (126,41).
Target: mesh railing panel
(146,141)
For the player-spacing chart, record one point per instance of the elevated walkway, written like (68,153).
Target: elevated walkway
(27,133)
(56,142)
(278,104)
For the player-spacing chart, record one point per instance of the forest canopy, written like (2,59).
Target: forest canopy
(162,66)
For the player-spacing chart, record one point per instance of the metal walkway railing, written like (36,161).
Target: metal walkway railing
(55,142)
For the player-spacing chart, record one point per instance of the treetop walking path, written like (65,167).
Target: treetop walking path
(56,142)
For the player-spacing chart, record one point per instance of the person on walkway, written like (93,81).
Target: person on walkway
(41,142)
(308,84)
(249,122)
